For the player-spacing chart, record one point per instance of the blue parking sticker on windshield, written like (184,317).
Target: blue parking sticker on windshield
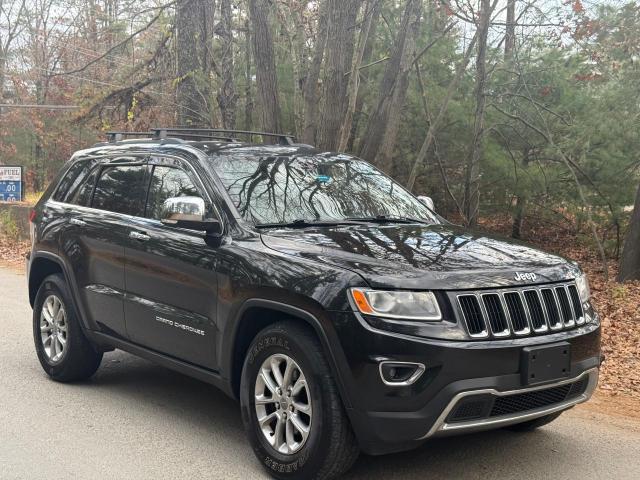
(323,178)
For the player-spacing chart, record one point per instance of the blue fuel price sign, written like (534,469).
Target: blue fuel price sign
(10,183)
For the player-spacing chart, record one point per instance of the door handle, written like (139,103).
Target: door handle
(142,237)
(78,222)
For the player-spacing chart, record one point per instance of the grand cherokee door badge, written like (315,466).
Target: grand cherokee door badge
(181,326)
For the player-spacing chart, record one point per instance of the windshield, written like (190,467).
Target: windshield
(313,188)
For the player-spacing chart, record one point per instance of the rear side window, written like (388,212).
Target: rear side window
(82,195)
(71,180)
(121,189)
(168,182)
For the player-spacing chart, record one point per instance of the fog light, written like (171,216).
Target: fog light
(400,374)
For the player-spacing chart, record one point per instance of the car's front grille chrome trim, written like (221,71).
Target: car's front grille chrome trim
(520,312)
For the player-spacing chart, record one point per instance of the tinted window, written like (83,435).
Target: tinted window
(313,187)
(121,189)
(82,195)
(168,182)
(71,180)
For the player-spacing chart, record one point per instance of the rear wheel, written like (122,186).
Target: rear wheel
(291,408)
(63,350)
(531,425)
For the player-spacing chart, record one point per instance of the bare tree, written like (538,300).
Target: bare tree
(194,22)
(372,6)
(11,24)
(382,130)
(227,97)
(266,75)
(472,180)
(311,80)
(510,34)
(342,16)
(248,77)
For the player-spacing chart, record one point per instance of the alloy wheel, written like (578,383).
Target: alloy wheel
(283,404)
(53,328)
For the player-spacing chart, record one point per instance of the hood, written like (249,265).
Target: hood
(423,256)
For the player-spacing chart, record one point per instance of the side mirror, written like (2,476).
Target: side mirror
(189,213)
(428,201)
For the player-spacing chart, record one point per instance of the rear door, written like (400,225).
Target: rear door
(97,227)
(170,274)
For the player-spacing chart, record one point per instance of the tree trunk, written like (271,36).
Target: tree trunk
(291,17)
(341,18)
(311,81)
(380,137)
(364,76)
(2,70)
(193,66)
(248,90)
(266,75)
(354,77)
(227,94)
(472,181)
(510,35)
(630,260)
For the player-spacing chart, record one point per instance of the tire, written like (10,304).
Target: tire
(330,447)
(531,425)
(78,359)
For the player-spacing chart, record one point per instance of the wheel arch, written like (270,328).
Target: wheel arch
(257,314)
(41,267)
(44,264)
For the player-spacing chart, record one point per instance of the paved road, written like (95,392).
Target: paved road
(135,420)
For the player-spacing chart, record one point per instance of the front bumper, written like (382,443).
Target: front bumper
(394,418)
(443,426)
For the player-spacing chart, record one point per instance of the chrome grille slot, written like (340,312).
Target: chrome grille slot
(551,307)
(472,313)
(517,313)
(577,304)
(496,315)
(565,306)
(536,312)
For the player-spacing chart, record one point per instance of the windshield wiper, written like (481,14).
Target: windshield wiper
(387,219)
(302,223)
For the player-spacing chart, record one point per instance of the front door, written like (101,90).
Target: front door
(170,276)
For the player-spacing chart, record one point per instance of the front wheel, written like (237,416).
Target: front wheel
(291,408)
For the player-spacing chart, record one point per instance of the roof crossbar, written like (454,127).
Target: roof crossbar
(283,138)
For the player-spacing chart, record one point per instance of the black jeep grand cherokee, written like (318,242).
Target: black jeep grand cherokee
(342,312)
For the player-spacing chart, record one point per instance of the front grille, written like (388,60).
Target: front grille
(484,406)
(521,311)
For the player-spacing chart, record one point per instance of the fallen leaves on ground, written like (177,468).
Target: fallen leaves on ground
(12,253)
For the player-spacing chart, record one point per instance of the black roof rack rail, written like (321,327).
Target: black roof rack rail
(182,134)
(283,138)
(119,136)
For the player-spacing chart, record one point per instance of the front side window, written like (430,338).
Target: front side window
(168,182)
(313,188)
(121,189)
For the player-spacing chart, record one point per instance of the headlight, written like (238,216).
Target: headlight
(582,284)
(405,305)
